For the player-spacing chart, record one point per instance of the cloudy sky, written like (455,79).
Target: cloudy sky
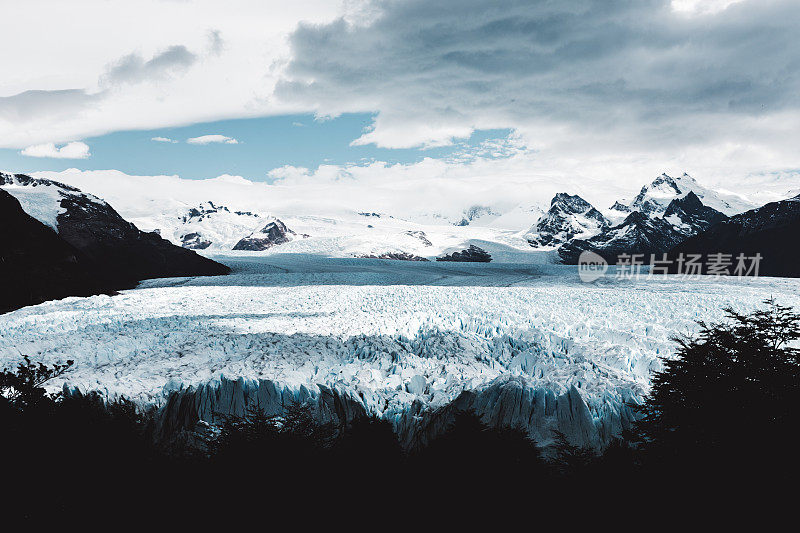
(608,91)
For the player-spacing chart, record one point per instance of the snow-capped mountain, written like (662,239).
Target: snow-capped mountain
(473,254)
(41,198)
(646,232)
(209,225)
(569,217)
(637,234)
(655,197)
(690,216)
(664,213)
(114,253)
(35,263)
(214,216)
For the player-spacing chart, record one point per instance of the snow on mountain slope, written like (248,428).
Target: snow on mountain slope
(569,217)
(378,330)
(41,198)
(654,197)
(342,224)
(637,234)
(478,213)
(113,252)
(354,235)
(215,225)
(518,218)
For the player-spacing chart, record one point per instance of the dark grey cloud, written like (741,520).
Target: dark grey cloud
(634,67)
(30,105)
(134,69)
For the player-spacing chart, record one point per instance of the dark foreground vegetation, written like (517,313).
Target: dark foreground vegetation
(721,417)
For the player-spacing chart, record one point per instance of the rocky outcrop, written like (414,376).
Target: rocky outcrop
(473,254)
(423,238)
(272,234)
(395,256)
(194,241)
(475,212)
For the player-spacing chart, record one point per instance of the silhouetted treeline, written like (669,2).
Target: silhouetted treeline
(723,411)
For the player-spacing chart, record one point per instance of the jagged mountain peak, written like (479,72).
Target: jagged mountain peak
(570,201)
(569,216)
(654,198)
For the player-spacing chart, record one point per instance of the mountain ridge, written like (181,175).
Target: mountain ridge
(106,252)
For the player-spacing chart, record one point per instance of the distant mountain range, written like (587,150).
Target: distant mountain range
(665,213)
(99,251)
(677,217)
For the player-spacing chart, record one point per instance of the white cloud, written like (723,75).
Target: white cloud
(72,150)
(211,139)
(432,186)
(163,140)
(187,62)
(595,87)
(702,7)
(581,80)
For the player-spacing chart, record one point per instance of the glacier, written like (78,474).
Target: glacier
(522,344)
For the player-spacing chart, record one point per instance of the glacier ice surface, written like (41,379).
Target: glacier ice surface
(521,344)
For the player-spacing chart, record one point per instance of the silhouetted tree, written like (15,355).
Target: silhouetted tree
(369,445)
(281,445)
(728,404)
(23,388)
(572,461)
(471,450)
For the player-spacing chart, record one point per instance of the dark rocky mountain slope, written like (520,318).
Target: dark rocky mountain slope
(771,230)
(91,249)
(637,234)
(35,263)
(643,233)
